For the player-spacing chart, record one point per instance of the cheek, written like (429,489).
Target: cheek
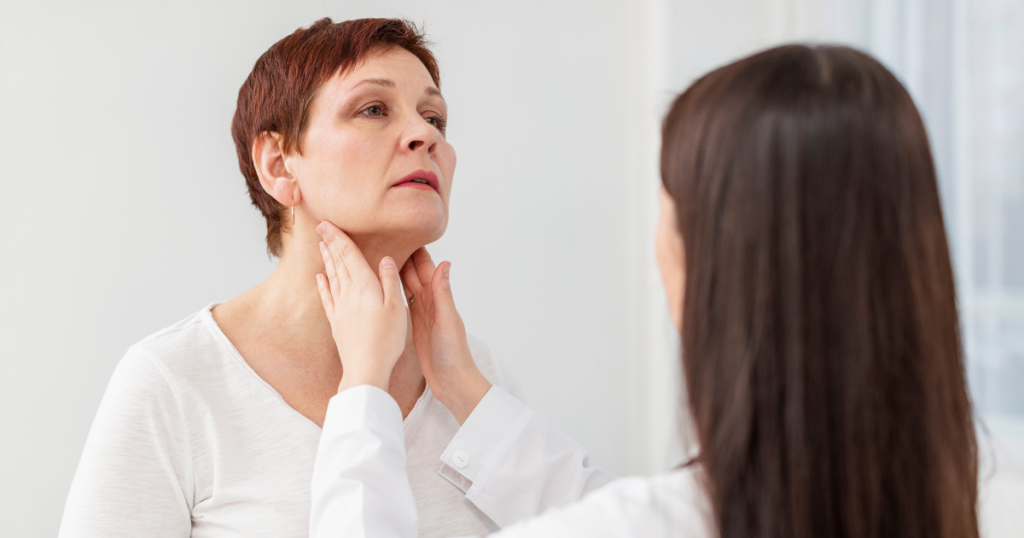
(669,251)
(450,155)
(355,157)
(446,159)
(664,249)
(341,178)
(664,267)
(346,163)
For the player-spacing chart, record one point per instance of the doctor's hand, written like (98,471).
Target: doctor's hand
(367,314)
(439,337)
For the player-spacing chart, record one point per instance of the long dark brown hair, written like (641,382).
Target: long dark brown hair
(821,344)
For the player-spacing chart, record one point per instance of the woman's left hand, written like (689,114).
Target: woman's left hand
(440,337)
(367,313)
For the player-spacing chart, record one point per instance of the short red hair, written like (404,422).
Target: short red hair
(283,83)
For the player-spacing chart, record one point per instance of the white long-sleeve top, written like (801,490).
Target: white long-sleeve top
(510,462)
(190,442)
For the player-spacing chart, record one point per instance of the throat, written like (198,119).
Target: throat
(407,382)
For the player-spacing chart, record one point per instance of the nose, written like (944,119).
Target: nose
(419,135)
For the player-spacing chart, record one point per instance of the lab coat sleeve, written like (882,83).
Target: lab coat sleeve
(361,490)
(513,464)
(360,487)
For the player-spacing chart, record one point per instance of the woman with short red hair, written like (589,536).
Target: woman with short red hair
(210,427)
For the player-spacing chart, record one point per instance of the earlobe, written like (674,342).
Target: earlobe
(271,163)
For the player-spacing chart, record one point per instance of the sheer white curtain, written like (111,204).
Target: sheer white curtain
(987,177)
(963,61)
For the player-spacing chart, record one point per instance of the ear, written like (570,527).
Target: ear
(274,168)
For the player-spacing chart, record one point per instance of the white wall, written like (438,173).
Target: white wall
(125,211)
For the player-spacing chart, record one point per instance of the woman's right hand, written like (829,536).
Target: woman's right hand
(439,337)
(366,313)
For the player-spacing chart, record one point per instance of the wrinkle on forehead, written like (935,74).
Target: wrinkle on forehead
(387,57)
(430,91)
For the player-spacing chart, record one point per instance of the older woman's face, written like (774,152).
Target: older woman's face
(374,158)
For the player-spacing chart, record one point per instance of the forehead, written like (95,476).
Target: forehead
(395,64)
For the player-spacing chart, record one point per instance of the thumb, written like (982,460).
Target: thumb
(390,282)
(441,286)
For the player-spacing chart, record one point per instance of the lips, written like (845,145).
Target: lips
(422,179)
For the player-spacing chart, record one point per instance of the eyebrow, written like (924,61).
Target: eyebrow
(376,82)
(388,83)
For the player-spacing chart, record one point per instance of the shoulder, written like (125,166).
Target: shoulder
(148,367)
(136,470)
(141,407)
(665,505)
(190,352)
(189,339)
(679,489)
(157,368)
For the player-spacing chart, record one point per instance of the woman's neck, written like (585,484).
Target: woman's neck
(290,297)
(282,331)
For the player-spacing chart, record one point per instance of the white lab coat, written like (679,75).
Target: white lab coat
(514,465)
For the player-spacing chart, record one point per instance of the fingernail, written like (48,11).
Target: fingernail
(320,228)
(388,263)
(323,247)
(447,269)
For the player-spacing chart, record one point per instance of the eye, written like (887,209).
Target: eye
(437,121)
(373,110)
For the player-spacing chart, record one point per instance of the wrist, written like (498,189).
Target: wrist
(351,379)
(462,398)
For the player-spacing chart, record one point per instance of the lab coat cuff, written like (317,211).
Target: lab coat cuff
(480,437)
(361,406)
(359,476)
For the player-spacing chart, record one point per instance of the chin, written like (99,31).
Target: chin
(421,221)
(425,229)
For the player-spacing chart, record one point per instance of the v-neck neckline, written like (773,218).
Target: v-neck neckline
(239,360)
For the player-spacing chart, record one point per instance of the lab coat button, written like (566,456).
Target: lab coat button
(460,459)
